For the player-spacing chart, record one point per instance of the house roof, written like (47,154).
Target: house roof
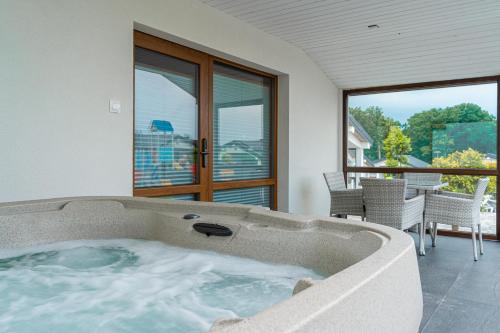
(412,161)
(254,146)
(360,129)
(491,156)
(416,162)
(161,126)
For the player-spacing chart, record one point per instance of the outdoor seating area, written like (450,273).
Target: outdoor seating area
(413,201)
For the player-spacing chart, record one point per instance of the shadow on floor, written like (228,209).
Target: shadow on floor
(460,295)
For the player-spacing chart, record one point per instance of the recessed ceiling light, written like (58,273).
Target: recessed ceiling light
(373,26)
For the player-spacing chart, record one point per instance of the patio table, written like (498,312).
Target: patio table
(426,187)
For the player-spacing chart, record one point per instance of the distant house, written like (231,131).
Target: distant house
(358,141)
(238,156)
(412,162)
(251,146)
(490,158)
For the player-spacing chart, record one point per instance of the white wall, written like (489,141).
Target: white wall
(62,60)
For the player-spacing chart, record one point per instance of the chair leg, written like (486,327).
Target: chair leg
(474,246)
(434,233)
(421,243)
(480,232)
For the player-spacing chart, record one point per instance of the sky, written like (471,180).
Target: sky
(402,105)
(157,98)
(240,123)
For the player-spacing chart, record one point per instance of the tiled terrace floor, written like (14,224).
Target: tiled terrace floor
(460,295)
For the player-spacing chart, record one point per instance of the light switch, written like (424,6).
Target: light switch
(114,106)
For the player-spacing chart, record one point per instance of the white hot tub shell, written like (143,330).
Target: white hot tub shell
(373,282)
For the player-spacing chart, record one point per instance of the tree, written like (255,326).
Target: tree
(396,147)
(466,159)
(421,127)
(376,125)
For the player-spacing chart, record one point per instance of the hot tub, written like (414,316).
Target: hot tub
(373,282)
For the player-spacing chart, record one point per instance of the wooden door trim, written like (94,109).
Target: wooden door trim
(233,184)
(170,49)
(166,47)
(167,190)
(273,180)
(205,184)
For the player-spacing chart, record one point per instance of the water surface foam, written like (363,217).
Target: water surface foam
(133,286)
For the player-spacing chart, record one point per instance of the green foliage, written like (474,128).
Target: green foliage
(421,125)
(376,125)
(396,146)
(466,159)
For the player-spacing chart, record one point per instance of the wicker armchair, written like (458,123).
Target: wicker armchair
(458,209)
(420,178)
(385,204)
(343,201)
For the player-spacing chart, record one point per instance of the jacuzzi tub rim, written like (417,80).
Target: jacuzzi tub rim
(292,312)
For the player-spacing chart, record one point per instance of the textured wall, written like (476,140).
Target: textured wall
(62,61)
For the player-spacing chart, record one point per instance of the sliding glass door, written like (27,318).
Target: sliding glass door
(166,123)
(204,128)
(242,135)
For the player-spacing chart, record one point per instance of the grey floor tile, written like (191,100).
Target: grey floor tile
(438,281)
(480,283)
(460,295)
(431,303)
(456,315)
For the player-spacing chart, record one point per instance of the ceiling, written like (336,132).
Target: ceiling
(415,41)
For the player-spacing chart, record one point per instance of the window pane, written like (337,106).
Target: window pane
(259,196)
(453,127)
(242,135)
(166,118)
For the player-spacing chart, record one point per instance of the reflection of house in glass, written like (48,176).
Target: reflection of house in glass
(162,157)
(238,157)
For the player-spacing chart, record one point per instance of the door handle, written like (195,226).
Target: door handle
(204,152)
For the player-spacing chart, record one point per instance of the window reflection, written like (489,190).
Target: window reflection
(242,124)
(166,112)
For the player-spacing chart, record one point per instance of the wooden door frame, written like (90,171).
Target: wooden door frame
(273,180)
(206,186)
(174,50)
(464,172)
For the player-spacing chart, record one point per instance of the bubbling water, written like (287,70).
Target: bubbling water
(133,286)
